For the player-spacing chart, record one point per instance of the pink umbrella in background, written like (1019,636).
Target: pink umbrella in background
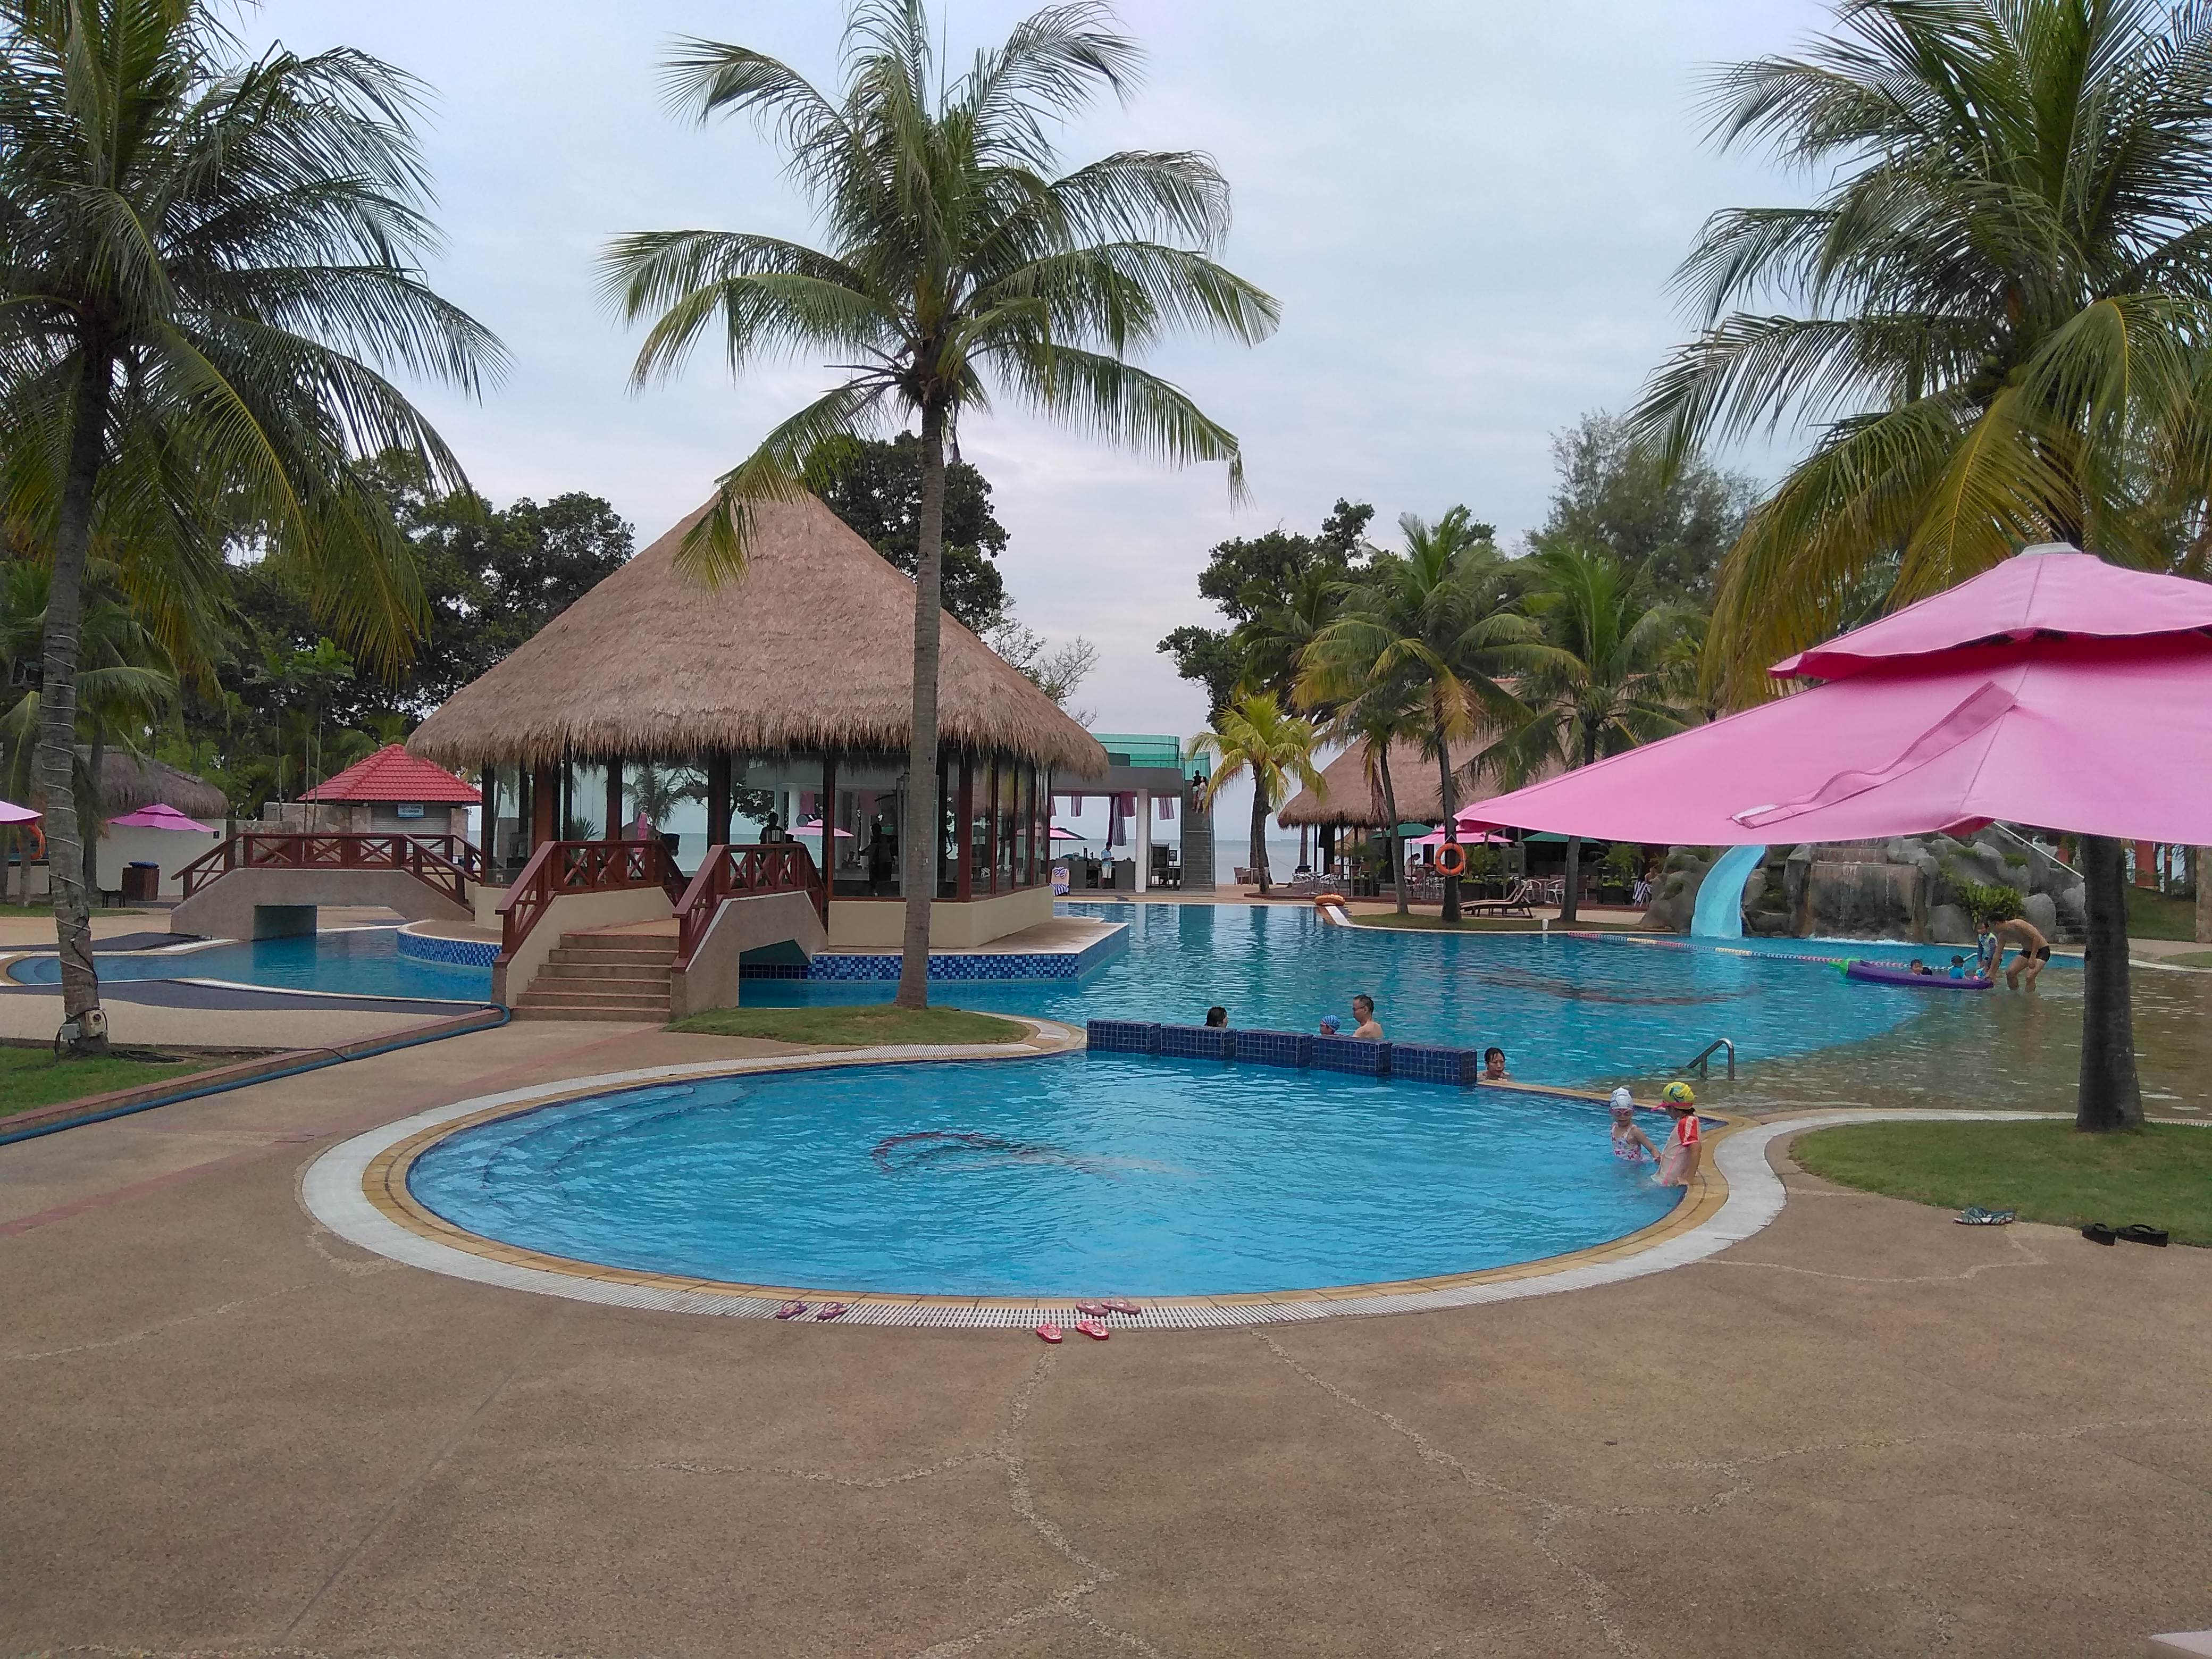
(161,815)
(2056,691)
(11,814)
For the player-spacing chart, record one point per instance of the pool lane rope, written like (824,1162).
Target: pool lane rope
(333,1191)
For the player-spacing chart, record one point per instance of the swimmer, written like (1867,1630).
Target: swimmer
(1629,1143)
(1987,951)
(1958,967)
(1493,1066)
(1921,969)
(1363,1010)
(1217,1018)
(2034,952)
(1678,1164)
(1331,1025)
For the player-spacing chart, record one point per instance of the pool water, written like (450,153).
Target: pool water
(359,962)
(1099,1175)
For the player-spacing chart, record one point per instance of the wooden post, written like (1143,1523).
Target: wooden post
(613,822)
(966,833)
(718,798)
(544,806)
(488,803)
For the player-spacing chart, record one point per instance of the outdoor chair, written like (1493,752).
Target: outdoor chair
(1515,903)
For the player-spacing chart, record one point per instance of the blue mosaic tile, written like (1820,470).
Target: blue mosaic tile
(1124,1036)
(1419,1062)
(1352,1055)
(458,952)
(1197,1042)
(1274,1048)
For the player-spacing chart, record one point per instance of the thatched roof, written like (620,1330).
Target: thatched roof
(1349,801)
(126,784)
(810,649)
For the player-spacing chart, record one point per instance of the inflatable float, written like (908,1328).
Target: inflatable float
(1893,973)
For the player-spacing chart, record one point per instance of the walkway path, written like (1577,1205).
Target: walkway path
(1864,1431)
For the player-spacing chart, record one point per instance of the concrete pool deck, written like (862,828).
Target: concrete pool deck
(1864,1430)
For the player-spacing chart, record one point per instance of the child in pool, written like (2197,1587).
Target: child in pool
(1629,1143)
(1678,1164)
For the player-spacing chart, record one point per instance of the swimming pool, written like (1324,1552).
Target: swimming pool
(1097,1175)
(356,962)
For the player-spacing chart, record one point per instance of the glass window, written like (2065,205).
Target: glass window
(1003,862)
(1024,828)
(948,821)
(979,826)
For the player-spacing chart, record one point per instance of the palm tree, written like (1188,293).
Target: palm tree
(1376,725)
(956,256)
(657,791)
(2003,297)
(201,258)
(1609,673)
(1258,738)
(1425,635)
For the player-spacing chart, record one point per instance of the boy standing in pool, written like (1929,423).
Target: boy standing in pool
(2035,950)
(1679,1163)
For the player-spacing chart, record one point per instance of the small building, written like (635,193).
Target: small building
(128,783)
(788,688)
(392,791)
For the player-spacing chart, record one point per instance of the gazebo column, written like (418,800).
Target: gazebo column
(1144,847)
(718,798)
(488,821)
(544,805)
(828,818)
(613,821)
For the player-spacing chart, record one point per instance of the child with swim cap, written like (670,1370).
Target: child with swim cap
(1629,1143)
(1679,1163)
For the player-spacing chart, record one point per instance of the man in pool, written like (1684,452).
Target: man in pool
(1493,1066)
(2034,952)
(1218,1017)
(1363,1010)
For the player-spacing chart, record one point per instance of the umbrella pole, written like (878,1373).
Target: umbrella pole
(2110,1096)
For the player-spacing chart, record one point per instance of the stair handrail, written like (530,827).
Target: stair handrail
(445,863)
(2006,829)
(731,871)
(1703,1064)
(558,867)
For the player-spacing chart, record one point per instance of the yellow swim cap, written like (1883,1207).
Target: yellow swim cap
(1678,1094)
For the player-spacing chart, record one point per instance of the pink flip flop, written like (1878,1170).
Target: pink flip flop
(1095,1329)
(1122,1304)
(1049,1332)
(1094,1309)
(791,1310)
(830,1310)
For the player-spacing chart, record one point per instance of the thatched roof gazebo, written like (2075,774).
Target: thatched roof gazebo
(1349,801)
(792,683)
(127,784)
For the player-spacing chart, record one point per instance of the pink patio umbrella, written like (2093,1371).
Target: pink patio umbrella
(11,814)
(2056,691)
(813,827)
(160,816)
(1061,834)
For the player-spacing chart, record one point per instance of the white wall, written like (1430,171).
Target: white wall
(172,849)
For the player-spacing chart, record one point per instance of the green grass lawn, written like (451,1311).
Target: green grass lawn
(2152,915)
(871,1023)
(32,1076)
(1435,924)
(2046,1172)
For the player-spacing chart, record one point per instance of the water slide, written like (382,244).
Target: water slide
(1719,913)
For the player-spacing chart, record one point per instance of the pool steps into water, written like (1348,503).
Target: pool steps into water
(1412,1063)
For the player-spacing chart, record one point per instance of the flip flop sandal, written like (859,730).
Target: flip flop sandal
(791,1310)
(1122,1304)
(1978,1217)
(1095,1329)
(2097,1233)
(1050,1332)
(830,1310)
(2138,1232)
(1094,1309)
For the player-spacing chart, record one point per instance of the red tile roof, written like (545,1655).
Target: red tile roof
(393,774)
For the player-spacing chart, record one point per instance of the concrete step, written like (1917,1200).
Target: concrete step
(527,1010)
(627,970)
(574,949)
(571,992)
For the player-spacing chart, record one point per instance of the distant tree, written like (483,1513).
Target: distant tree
(1615,496)
(1057,670)
(875,486)
(1276,577)
(1259,740)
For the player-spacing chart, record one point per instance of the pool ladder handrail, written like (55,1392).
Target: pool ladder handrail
(1704,1063)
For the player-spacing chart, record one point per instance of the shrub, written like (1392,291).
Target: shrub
(1987,903)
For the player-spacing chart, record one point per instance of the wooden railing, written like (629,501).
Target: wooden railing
(735,871)
(582,866)
(445,863)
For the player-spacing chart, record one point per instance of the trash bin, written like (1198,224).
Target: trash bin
(141,882)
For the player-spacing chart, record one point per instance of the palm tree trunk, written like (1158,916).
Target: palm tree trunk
(88,805)
(2197,857)
(918,860)
(1451,827)
(1390,839)
(1259,850)
(56,765)
(1574,878)
(2109,1096)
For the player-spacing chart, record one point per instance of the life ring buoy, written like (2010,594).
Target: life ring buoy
(1451,859)
(1322,901)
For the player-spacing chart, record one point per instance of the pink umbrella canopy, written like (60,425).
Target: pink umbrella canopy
(11,814)
(813,827)
(159,816)
(2056,691)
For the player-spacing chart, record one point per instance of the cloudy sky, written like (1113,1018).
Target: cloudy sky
(1469,210)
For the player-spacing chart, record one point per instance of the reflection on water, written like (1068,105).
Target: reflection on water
(2003,1050)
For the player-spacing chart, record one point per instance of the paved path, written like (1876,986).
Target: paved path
(1865,1431)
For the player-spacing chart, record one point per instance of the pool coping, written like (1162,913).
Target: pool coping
(359,1190)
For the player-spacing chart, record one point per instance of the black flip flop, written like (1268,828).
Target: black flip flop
(2097,1233)
(2138,1232)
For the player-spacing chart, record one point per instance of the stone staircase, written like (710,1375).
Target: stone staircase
(609,974)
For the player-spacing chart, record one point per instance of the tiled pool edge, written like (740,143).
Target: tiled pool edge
(358,1190)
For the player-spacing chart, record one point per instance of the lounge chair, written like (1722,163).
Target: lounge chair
(1515,903)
